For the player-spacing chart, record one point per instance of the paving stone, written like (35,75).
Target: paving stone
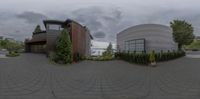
(31,76)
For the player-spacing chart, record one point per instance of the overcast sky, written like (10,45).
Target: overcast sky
(104,18)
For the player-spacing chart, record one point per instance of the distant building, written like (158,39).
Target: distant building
(19,42)
(98,51)
(146,38)
(45,41)
(197,38)
(10,39)
(1,37)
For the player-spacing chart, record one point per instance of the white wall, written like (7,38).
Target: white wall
(158,37)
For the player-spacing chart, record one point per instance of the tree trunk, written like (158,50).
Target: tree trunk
(179,47)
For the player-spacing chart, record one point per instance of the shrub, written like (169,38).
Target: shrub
(100,58)
(106,56)
(139,58)
(152,57)
(64,48)
(77,57)
(143,58)
(53,57)
(12,54)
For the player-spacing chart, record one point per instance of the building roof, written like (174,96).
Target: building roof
(91,36)
(39,32)
(52,22)
(60,22)
(146,26)
(37,37)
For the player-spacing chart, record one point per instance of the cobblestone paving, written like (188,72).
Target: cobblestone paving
(30,76)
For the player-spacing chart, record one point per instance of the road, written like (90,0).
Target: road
(3,54)
(193,54)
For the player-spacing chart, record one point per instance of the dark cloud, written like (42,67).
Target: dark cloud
(99,19)
(103,21)
(99,35)
(89,17)
(165,17)
(19,26)
(32,17)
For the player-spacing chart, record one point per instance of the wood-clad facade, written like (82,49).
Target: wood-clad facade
(45,42)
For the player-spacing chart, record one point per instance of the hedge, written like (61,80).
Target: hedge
(12,54)
(144,58)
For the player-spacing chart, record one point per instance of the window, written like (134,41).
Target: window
(137,45)
(126,46)
(54,27)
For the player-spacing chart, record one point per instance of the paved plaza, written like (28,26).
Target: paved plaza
(193,54)
(31,76)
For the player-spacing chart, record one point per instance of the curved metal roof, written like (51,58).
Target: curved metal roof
(146,26)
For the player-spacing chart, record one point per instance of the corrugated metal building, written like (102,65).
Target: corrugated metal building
(146,38)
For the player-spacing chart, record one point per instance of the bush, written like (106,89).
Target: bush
(64,48)
(143,58)
(152,57)
(139,58)
(12,54)
(100,58)
(53,57)
(77,57)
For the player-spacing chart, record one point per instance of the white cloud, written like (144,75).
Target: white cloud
(101,45)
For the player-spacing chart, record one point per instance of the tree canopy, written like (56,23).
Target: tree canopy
(182,32)
(109,50)
(194,45)
(37,29)
(10,46)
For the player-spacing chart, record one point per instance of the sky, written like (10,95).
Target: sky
(104,18)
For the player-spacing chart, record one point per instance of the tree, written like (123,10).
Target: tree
(11,46)
(182,32)
(3,43)
(109,50)
(64,48)
(37,29)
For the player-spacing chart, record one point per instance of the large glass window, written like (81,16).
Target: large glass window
(137,45)
(126,46)
(54,27)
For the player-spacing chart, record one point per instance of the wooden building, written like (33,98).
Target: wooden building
(45,41)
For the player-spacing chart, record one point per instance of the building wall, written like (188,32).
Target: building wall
(39,37)
(78,38)
(157,37)
(52,36)
(88,44)
(35,47)
(38,48)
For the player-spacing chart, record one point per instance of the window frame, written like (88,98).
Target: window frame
(135,45)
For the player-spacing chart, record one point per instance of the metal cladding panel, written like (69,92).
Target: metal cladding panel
(88,43)
(157,37)
(52,36)
(78,38)
(38,37)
